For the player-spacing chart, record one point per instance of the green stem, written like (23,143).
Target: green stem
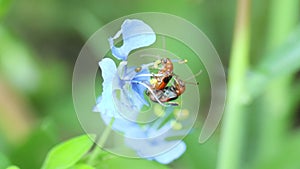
(97,150)
(231,139)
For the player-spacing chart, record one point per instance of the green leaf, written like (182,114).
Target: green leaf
(13,167)
(82,166)
(121,162)
(68,153)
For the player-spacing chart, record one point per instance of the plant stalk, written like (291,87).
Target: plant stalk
(97,150)
(232,130)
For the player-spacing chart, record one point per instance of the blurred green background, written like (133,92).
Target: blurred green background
(40,41)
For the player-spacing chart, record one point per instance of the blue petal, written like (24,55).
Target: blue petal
(152,148)
(151,142)
(139,88)
(125,73)
(120,124)
(131,94)
(104,102)
(127,102)
(172,154)
(135,132)
(135,34)
(97,106)
(142,78)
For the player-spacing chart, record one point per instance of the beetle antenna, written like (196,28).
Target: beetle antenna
(195,75)
(193,83)
(186,80)
(180,61)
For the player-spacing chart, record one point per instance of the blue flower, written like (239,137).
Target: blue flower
(135,34)
(123,98)
(172,154)
(122,84)
(151,143)
(120,81)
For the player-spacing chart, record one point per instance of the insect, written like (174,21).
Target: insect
(159,91)
(168,93)
(167,72)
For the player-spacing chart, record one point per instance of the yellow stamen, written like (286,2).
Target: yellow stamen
(176,125)
(138,69)
(181,114)
(153,81)
(182,61)
(156,63)
(159,111)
